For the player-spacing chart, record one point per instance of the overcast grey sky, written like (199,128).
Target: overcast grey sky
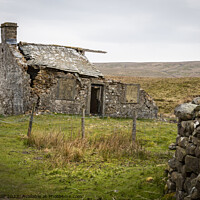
(129,30)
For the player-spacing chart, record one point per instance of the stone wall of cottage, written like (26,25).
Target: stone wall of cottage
(115,106)
(22,85)
(184,167)
(14,81)
(45,86)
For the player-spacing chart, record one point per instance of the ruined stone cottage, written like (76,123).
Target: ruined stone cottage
(61,79)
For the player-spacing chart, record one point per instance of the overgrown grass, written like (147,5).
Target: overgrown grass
(105,165)
(167,92)
(67,149)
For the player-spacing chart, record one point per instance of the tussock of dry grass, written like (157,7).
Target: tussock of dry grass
(67,149)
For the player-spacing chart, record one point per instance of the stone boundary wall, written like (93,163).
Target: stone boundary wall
(184,167)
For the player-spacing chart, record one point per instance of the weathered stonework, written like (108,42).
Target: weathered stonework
(61,79)
(15,90)
(184,172)
(9,33)
(45,86)
(115,105)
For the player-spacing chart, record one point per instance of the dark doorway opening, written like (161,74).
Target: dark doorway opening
(96,101)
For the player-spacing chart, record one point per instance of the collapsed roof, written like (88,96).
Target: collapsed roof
(69,59)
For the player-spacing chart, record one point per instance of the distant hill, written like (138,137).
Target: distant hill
(151,69)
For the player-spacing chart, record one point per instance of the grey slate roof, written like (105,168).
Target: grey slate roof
(58,57)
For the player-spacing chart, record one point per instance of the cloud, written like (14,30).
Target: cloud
(112,25)
(195,4)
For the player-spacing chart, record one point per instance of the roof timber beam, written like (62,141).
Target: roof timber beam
(76,48)
(93,51)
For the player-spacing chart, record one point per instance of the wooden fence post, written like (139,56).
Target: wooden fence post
(83,123)
(134,126)
(31,121)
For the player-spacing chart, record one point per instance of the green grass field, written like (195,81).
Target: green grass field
(55,163)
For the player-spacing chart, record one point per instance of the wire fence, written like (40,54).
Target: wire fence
(72,124)
(150,133)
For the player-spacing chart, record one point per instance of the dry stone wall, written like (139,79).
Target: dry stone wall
(184,172)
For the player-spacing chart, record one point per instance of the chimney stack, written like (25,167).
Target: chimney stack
(9,33)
